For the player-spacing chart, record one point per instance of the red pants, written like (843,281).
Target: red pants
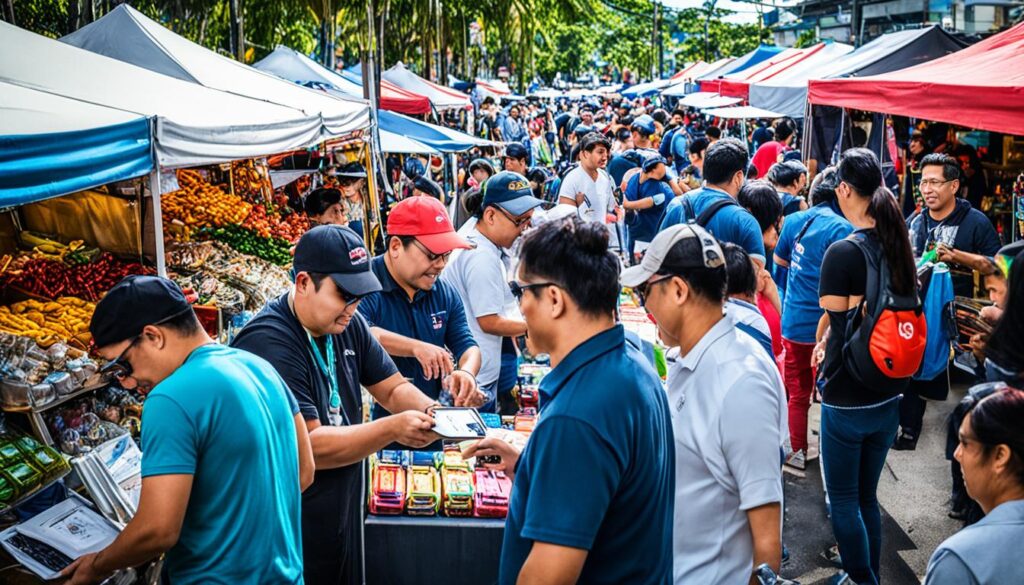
(799,379)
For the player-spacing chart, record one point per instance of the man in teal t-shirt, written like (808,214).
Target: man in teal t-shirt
(225,453)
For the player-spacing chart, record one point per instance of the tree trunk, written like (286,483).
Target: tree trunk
(8,11)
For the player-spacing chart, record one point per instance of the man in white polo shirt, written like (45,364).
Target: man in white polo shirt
(728,414)
(588,187)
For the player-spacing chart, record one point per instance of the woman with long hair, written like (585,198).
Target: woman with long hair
(1004,351)
(991,452)
(858,424)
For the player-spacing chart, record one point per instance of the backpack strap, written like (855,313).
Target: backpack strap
(688,209)
(803,231)
(876,269)
(709,212)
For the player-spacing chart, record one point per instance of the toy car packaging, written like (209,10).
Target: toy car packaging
(456,484)
(528,397)
(424,485)
(525,421)
(387,494)
(493,489)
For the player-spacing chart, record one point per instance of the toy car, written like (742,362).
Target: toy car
(424,491)
(525,421)
(457,486)
(387,494)
(493,489)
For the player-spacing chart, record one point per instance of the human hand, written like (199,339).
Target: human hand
(494,446)
(435,360)
(944,253)
(580,198)
(991,314)
(412,428)
(83,571)
(463,388)
(978,346)
(818,354)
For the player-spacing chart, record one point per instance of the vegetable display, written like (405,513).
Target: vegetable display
(198,204)
(271,225)
(248,241)
(52,278)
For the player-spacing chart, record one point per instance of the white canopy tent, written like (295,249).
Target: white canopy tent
(741,113)
(127,35)
(704,99)
(442,97)
(29,111)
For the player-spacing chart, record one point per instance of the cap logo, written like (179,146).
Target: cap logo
(439,219)
(358,255)
(517,185)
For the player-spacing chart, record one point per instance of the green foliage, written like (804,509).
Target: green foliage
(724,39)
(807,38)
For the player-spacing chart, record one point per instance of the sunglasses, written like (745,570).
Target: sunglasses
(644,288)
(516,222)
(432,257)
(518,289)
(120,368)
(349,298)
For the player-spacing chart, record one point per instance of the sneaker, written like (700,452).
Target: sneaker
(905,442)
(797,460)
(840,578)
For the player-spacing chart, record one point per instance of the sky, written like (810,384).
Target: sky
(745,12)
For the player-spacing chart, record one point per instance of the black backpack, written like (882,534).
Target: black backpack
(887,334)
(709,212)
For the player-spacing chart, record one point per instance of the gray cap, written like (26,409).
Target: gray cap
(711,255)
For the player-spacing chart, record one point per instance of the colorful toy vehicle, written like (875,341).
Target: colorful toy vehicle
(387,494)
(457,485)
(424,491)
(493,489)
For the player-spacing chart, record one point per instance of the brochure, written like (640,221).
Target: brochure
(459,423)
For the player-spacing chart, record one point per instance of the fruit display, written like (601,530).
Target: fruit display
(53,278)
(247,241)
(247,180)
(271,224)
(65,319)
(48,248)
(198,204)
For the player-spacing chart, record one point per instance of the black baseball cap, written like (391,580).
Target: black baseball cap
(653,161)
(337,251)
(352,169)
(428,187)
(516,150)
(132,304)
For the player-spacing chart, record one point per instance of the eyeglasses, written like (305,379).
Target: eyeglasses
(516,222)
(518,289)
(933,183)
(644,288)
(120,368)
(349,298)
(430,255)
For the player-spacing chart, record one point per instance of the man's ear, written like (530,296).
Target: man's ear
(558,300)
(679,290)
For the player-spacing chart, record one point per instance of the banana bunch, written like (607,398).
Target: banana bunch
(248,181)
(75,252)
(47,322)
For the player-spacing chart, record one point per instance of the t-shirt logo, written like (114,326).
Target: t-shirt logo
(349,353)
(437,320)
(358,255)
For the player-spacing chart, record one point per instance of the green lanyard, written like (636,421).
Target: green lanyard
(329,367)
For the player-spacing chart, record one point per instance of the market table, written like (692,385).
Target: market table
(405,549)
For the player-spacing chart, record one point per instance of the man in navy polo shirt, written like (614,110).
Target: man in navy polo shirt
(592,498)
(725,167)
(646,196)
(416,317)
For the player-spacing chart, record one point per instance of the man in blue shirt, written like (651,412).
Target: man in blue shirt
(646,196)
(416,317)
(512,129)
(725,167)
(225,453)
(592,498)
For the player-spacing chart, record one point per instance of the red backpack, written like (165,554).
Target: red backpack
(887,335)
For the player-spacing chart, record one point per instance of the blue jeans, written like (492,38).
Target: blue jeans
(854,443)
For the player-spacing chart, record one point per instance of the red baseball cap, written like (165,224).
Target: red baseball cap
(427,219)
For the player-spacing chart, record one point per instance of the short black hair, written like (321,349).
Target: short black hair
(784,128)
(679,112)
(724,159)
(699,145)
(592,140)
(742,279)
(762,201)
(574,254)
(784,175)
(185,324)
(713,132)
(623,134)
(319,200)
(823,187)
(707,283)
(950,166)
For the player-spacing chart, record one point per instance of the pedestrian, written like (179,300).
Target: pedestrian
(592,493)
(789,179)
(417,318)
(760,199)
(512,129)
(540,151)
(991,452)
(724,174)
(480,275)
(323,207)
(728,418)
(713,134)
(741,297)
(917,149)
(645,198)
(698,148)
(1004,354)
(315,339)
(588,187)
(225,453)
(963,238)
(805,238)
(424,187)
(761,135)
(641,130)
(515,159)
(480,170)
(859,422)
(974,185)
(351,182)
(772,152)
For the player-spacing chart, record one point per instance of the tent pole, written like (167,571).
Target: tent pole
(158,221)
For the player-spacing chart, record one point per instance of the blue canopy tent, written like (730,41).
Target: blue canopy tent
(438,137)
(758,55)
(52,145)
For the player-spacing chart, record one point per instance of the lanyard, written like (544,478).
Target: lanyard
(329,368)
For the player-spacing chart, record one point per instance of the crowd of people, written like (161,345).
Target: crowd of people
(769,289)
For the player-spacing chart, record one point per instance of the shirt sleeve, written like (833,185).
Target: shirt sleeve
(573,477)
(487,284)
(377,365)
(750,432)
(169,438)
(457,336)
(369,307)
(843,271)
(290,364)
(946,568)
(673,214)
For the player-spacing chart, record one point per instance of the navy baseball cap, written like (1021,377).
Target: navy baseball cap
(132,304)
(428,187)
(340,253)
(582,130)
(516,150)
(653,161)
(644,124)
(510,191)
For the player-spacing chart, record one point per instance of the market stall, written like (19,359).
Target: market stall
(441,97)
(809,59)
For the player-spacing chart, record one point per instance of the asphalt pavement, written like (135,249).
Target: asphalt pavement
(913,492)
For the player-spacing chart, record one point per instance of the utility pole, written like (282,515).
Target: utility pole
(655,56)
(853,24)
(237,42)
(709,9)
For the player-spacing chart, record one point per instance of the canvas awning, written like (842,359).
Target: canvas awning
(809,59)
(442,97)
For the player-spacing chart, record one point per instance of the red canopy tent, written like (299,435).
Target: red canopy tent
(981,87)
(403,101)
(741,87)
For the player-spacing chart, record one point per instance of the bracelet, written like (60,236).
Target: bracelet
(431,407)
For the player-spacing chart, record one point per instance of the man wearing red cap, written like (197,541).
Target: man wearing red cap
(419,319)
